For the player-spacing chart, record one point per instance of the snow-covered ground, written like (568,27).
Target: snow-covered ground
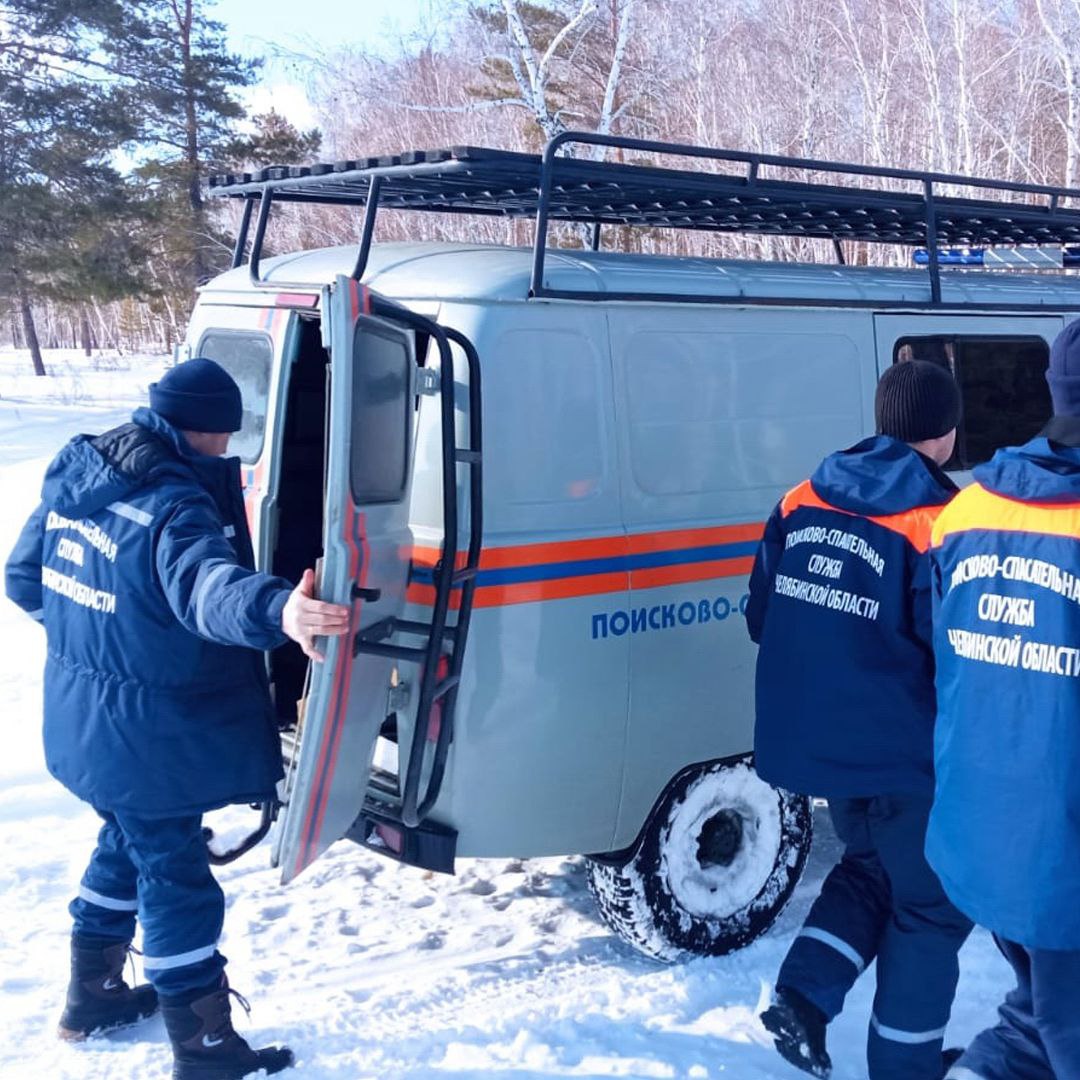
(366,968)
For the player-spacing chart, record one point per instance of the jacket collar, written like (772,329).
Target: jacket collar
(1039,471)
(210,470)
(881,475)
(1063,430)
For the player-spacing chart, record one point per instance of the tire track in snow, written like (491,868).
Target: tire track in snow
(406,1013)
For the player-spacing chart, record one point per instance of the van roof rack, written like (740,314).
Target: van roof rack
(557,187)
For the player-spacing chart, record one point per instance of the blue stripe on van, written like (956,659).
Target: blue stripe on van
(516,575)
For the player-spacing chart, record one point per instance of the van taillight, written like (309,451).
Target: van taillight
(393,838)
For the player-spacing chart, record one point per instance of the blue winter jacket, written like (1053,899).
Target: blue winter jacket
(139,563)
(1004,834)
(840,607)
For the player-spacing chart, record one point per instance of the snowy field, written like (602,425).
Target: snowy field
(368,969)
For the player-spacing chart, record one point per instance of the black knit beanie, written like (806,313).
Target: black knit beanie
(916,400)
(1063,374)
(198,395)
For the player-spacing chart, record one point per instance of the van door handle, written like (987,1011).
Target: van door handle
(370,595)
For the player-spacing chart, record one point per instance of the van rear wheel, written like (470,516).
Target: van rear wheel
(718,859)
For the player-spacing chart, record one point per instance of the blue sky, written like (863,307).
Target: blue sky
(273,29)
(256,26)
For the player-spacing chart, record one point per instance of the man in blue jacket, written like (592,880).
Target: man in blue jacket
(1004,834)
(138,562)
(840,605)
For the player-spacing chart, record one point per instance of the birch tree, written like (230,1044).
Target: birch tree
(1060,20)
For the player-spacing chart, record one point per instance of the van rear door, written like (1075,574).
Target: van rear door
(365,565)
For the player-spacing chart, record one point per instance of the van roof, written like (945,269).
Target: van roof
(469,272)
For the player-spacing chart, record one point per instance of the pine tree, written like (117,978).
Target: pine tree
(188,82)
(64,209)
(273,141)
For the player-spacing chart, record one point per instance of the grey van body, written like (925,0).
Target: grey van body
(633,451)
(551,468)
(678,417)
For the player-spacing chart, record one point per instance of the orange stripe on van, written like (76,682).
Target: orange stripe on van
(688,538)
(683,575)
(914,525)
(977,508)
(501,558)
(556,551)
(600,581)
(527,592)
(487,596)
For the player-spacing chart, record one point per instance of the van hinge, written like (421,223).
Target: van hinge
(427,381)
(399,697)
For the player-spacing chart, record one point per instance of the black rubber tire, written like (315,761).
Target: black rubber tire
(636,896)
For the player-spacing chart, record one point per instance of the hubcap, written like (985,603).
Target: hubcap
(720,839)
(722,842)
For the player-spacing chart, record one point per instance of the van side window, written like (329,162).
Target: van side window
(715,413)
(378,456)
(248,357)
(548,447)
(1002,383)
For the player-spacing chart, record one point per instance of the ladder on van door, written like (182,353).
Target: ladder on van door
(375,383)
(442,650)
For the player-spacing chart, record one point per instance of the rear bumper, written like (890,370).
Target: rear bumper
(429,845)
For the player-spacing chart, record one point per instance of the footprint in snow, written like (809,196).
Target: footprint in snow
(368,871)
(435,940)
(535,885)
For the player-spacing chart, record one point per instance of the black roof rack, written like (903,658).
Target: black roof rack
(475,180)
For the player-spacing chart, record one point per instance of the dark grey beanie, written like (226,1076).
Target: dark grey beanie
(916,400)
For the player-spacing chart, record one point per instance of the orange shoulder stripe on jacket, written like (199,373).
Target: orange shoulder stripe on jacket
(914,525)
(977,508)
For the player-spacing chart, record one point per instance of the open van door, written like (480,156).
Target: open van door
(367,548)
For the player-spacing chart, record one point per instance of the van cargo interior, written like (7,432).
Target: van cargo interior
(300,499)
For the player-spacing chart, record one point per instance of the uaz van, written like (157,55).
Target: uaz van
(539,476)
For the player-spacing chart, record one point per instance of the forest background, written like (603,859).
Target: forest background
(113,114)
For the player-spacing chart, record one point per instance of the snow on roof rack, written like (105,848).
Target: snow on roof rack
(550,187)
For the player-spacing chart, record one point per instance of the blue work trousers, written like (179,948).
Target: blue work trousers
(1038,1036)
(883,902)
(157,870)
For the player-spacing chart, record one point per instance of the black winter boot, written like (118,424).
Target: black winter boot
(205,1044)
(798,1030)
(98,999)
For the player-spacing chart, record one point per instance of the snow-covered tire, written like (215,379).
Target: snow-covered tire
(715,865)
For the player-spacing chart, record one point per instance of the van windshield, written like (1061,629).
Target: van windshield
(248,357)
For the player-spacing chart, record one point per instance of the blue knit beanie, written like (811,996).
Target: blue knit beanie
(1063,374)
(198,395)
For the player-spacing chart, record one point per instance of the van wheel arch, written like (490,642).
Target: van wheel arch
(714,865)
